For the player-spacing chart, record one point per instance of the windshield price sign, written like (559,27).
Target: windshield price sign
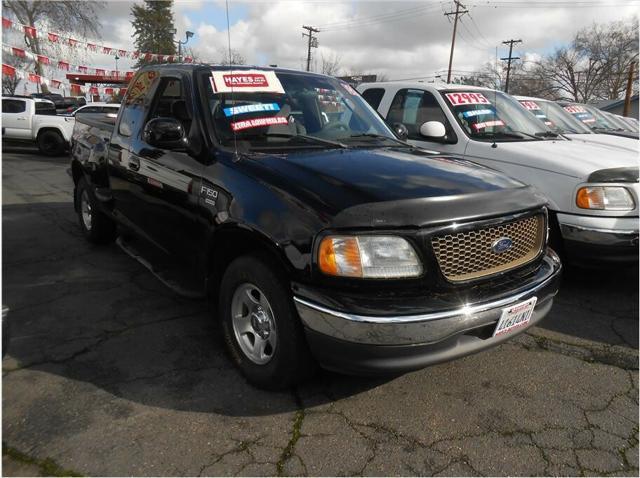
(467,99)
(245,81)
(530,105)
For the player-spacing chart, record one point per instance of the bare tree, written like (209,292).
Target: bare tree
(10,83)
(65,15)
(236,57)
(331,64)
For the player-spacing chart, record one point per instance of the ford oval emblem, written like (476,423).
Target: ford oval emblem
(501,245)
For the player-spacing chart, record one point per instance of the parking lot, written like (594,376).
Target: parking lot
(110,373)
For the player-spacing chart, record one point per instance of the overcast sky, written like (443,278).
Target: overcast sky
(396,38)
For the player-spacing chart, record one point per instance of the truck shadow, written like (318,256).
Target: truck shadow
(94,315)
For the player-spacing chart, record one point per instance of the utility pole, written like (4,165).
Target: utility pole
(508,60)
(627,96)
(458,13)
(313,42)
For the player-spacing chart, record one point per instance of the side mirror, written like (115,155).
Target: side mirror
(433,129)
(400,130)
(166,133)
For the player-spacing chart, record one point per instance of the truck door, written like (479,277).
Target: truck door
(413,107)
(16,119)
(165,201)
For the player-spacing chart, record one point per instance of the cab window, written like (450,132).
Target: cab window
(373,96)
(13,106)
(413,107)
(45,108)
(136,101)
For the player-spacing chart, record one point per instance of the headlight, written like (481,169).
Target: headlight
(611,198)
(374,257)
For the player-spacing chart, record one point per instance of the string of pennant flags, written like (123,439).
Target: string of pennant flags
(75,89)
(65,65)
(33,32)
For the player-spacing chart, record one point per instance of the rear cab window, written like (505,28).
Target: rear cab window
(45,108)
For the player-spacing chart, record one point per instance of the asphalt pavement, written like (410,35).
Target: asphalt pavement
(111,373)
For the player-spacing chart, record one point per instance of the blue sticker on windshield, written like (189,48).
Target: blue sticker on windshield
(238,110)
(471,113)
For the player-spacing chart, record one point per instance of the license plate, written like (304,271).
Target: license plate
(515,317)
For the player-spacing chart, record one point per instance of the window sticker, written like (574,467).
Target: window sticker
(488,124)
(472,113)
(530,105)
(258,122)
(467,99)
(238,110)
(575,109)
(245,81)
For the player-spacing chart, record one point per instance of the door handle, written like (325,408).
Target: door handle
(134,164)
(21,118)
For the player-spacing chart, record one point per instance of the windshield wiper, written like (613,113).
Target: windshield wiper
(310,139)
(380,136)
(546,134)
(504,134)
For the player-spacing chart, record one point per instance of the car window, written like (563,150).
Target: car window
(169,102)
(373,96)
(413,107)
(136,100)
(45,108)
(91,109)
(13,106)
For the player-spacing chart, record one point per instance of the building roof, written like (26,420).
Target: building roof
(606,105)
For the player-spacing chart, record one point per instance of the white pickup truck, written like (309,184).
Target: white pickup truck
(35,120)
(593,190)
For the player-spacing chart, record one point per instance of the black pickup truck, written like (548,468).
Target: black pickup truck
(318,235)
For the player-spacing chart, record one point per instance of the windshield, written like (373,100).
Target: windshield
(264,109)
(588,116)
(617,123)
(489,115)
(555,117)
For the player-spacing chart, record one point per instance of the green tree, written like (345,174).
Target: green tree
(154,29)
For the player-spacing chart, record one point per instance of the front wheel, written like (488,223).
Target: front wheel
(261,328)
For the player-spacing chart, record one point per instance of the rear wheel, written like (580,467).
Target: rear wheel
(51,143)
(261,328)
(96,226)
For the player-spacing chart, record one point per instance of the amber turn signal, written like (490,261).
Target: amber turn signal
(340,256)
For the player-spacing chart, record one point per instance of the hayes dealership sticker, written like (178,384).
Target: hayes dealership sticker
(467,99)
(258,122)
(245,81)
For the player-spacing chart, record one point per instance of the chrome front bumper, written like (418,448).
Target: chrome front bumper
(600,231)
(428,328)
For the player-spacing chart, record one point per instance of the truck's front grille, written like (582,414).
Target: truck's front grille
(472,254)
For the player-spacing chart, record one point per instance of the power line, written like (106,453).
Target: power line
(458,13)
(551,4)
(508,60)
(482,46)
(313,42)
(386,18)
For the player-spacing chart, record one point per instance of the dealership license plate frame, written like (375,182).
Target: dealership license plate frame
(515,317)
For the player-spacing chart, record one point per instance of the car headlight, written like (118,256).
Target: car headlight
(611,198)
(374,257)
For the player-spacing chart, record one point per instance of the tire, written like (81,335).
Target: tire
(51,143)
(270,317)
(96,226)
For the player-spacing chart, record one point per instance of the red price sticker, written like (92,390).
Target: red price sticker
(488,124)
(530,105)
(467,99)
(575,109)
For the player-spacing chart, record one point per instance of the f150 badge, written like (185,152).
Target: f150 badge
(209,195)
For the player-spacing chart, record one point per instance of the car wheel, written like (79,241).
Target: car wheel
(260,325)
(96,226)
(51,143)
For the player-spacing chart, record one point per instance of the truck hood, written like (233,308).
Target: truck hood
(617,142)
(387,186)
(571,158)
